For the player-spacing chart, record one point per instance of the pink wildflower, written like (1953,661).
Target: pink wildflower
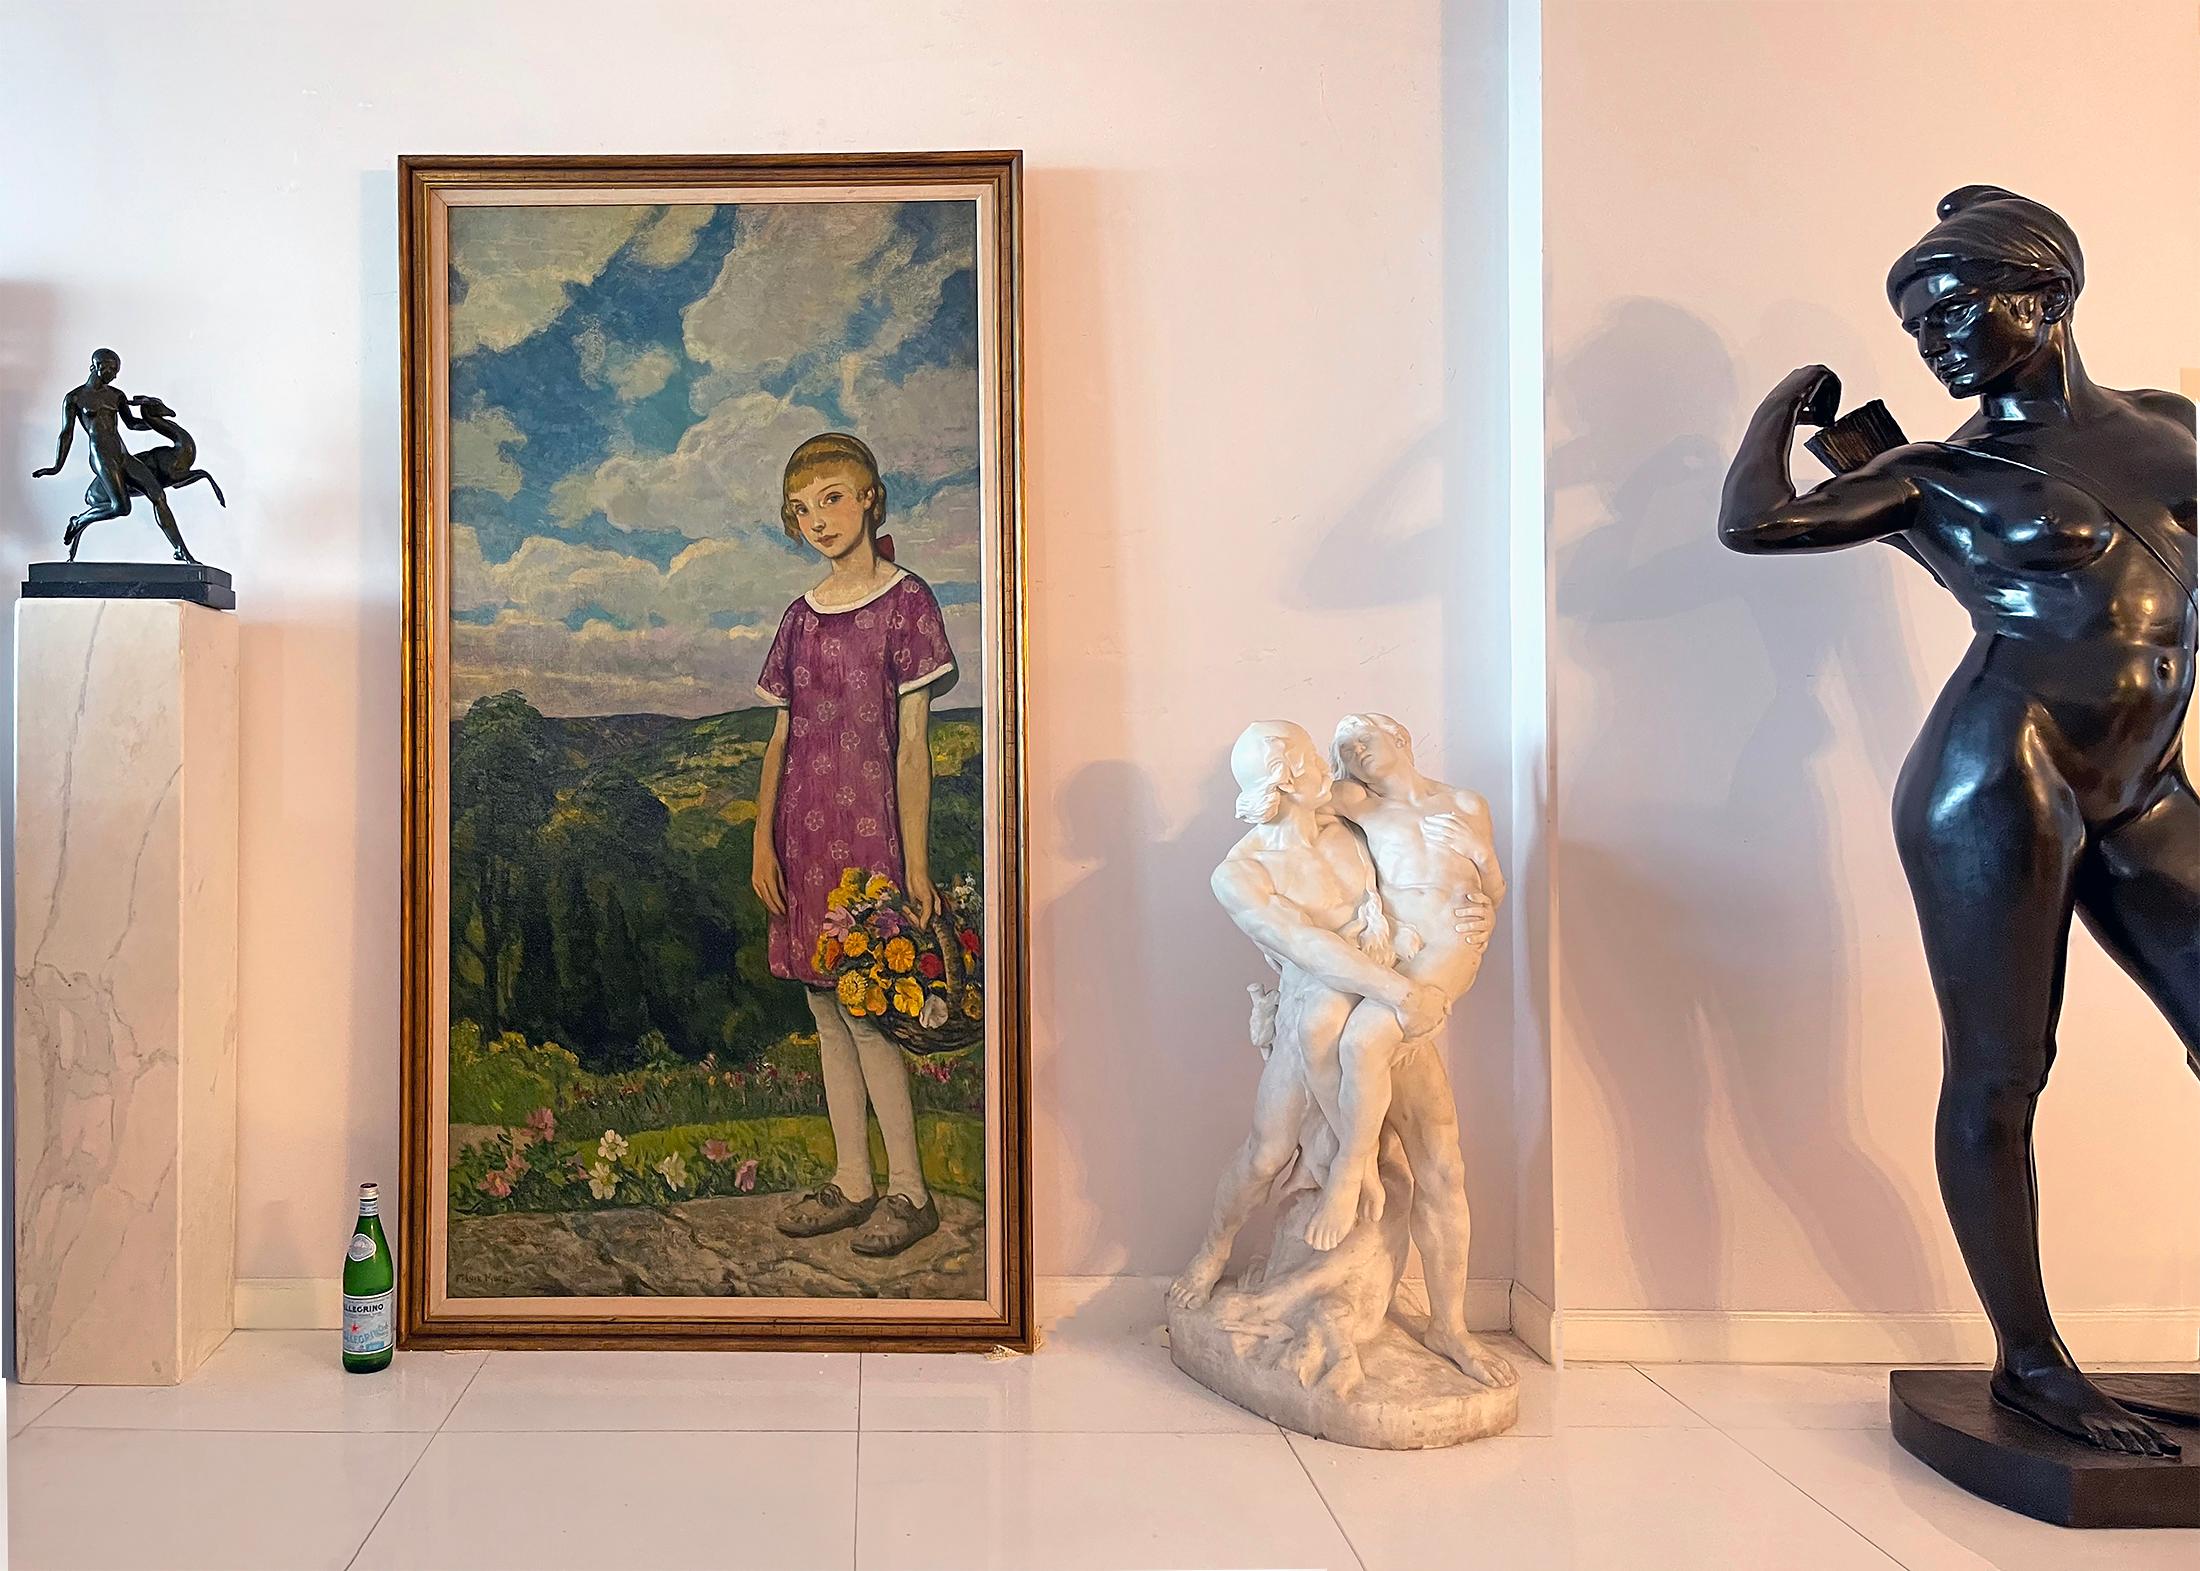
(495,1183)
(716,1150)
(744,1176)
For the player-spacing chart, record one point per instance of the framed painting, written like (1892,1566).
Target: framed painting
(715,1023)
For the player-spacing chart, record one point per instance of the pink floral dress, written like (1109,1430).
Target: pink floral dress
(840,674)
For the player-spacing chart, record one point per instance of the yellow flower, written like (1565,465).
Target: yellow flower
(837,899)
(827,953)
(908,997)
(973,1003)
(851,879)
(878,888)
(901,955)
(874,1001)
(851,990)
(857,943)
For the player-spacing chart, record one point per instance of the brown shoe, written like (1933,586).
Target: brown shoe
(895,1225)
(824,1210)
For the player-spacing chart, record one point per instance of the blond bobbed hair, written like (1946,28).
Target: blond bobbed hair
(832,450)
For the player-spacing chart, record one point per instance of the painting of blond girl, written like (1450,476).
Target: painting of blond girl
(847,783)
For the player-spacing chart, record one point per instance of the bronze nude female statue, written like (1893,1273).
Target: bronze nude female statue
(2048,777)
(118,474)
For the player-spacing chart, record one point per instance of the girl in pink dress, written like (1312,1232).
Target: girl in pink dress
(847,782)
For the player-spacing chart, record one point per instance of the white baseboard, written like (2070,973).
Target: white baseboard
(1642,1336)
(1645,1336)
(1535,1323)
(1489,1301)
(315,1303)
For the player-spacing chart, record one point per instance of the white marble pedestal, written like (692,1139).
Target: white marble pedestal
(125,988)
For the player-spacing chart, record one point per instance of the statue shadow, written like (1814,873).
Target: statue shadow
(30,401)
(1137,1124)
(1709,977)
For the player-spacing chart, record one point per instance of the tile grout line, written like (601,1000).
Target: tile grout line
(1682,1402)
(43,1413)
(1861,1536)
(1729,1435)
(855,1497)
(1291,1446)
(372,1527)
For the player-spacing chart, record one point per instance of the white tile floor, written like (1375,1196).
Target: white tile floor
(1096,1453)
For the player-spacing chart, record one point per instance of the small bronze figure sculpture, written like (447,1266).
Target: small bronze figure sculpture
(2048,779)
(103,409)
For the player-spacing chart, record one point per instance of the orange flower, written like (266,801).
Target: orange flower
(857,943)
(973,1003)
(874,1001)
(901,954)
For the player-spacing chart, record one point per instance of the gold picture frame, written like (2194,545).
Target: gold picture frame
(458,636)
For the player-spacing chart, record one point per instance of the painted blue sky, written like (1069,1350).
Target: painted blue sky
(626,385)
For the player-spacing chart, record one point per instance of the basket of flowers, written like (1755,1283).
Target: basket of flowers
(923,985)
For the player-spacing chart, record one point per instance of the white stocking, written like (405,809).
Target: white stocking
(887,1076)
(839,1061)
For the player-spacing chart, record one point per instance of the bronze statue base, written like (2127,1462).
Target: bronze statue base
(193,581)
(1948,1420)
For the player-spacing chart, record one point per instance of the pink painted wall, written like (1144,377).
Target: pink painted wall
(1265,350)
(1746,1049)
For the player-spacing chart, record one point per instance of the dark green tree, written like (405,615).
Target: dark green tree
(503,790)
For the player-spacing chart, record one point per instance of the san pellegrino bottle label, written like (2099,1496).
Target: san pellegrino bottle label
(368,1327)
(370,1282)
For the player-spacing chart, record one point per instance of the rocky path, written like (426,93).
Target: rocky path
(705,1248)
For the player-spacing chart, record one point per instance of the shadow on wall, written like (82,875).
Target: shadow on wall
(1709,955)
(1141,1071)
(30,395)
(1177,1065)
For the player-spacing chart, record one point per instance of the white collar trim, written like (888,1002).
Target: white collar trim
(810,596)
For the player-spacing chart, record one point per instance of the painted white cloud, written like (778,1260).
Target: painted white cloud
(602,669)
(519,265)
(473,580)
(711,579)
(796,276)
(667,650)
(938,538)
(723,479)
(671,239)
(477,452)
(630,370)
(924,425)
(796,281)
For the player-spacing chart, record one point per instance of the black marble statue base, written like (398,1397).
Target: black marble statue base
(193,581)
(1949,1420)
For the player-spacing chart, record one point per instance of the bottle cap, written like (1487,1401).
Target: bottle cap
(369,1189)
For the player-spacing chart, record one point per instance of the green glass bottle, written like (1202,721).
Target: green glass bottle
(370,1296)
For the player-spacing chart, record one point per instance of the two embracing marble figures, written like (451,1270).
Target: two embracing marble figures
(1371,891)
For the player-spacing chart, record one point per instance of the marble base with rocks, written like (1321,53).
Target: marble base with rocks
(1372,895)
(1318,1342)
